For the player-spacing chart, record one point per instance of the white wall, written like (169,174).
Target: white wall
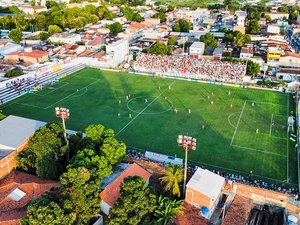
(105,207)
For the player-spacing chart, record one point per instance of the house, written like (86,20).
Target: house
(262,21)
(65,38)
(240,18)
(16,192)
(273,54)
(28,56)
(288,75)
(289,60)
(112,191)
(246,52)
(29,9)
(96,43)
(204,190)
(273,29)
(117,50)
(277,15)
(197,49)
(9,48)
(240,29)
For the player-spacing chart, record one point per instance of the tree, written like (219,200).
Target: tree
(16,35)
(167,208)
(45,152)
(159,48)
(80,194)
(176,27)
(44,36)
(53,29)
(41,21)
(172,41)
(253,27)
(95,132)
(268,18)
(171,180)
(184,25)
(135,203)
(115,28)
(14,73)
(2,116)
(241,39)
(113,151)
(209,40)
(45,211)
(253,68)
(161,16)
(137,17)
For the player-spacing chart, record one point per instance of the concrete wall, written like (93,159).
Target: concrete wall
(8,163)
(105,207)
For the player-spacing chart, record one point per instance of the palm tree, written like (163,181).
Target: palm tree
(172,178)
(167,208)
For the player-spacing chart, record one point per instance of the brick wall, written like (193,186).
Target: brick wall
(260,195)
(197,199)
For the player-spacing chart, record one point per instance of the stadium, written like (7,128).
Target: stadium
(237,129)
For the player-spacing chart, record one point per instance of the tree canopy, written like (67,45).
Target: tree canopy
(182,26)
(209,40)
(172,179)
(16,35)
(159,48)
(136,202)
(115,28)
(253,68)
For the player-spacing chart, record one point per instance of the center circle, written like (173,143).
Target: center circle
(149,105)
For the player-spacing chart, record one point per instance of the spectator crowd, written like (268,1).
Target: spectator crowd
(191,68)
(249,180)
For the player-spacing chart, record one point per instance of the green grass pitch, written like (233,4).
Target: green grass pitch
(229,140)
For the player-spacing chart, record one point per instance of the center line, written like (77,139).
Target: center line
(143,110)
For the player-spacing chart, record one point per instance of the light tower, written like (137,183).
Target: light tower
(64,114)
(187,143)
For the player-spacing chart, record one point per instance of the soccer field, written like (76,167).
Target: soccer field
(244,129)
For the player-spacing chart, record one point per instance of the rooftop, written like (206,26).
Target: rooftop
(112,191)
(33,187)
(207,183)
(290,54)
(33,53)
(191,216)
(238,212)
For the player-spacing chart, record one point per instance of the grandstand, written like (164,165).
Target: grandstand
(9,92)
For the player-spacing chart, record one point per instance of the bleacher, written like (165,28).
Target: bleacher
(8,93)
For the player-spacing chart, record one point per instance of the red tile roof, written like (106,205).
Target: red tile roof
(10,210)
(112,191)
(191,216)
(33,54)
(96,41)
(291,54)
(238,212)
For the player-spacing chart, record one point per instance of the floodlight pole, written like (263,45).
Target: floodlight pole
(64,114)
(187,143)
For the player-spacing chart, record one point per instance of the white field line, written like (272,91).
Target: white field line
(55,89)
(266,103)
(71,94)
(143,110)
(287,139)
(238,123)
(270,133)
(257,150)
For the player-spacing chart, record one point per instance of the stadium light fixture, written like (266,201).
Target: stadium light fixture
(187,143)
(64,114)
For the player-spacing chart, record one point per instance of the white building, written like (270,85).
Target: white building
(197,49)
(9,48)
(204,189)
(289,60)
(67,38)
(273,29)
(117,51)
(246,52)
(240,18)
(28,9)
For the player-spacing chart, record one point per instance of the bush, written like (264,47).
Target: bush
(13,73)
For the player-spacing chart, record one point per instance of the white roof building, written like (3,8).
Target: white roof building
(204,190)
